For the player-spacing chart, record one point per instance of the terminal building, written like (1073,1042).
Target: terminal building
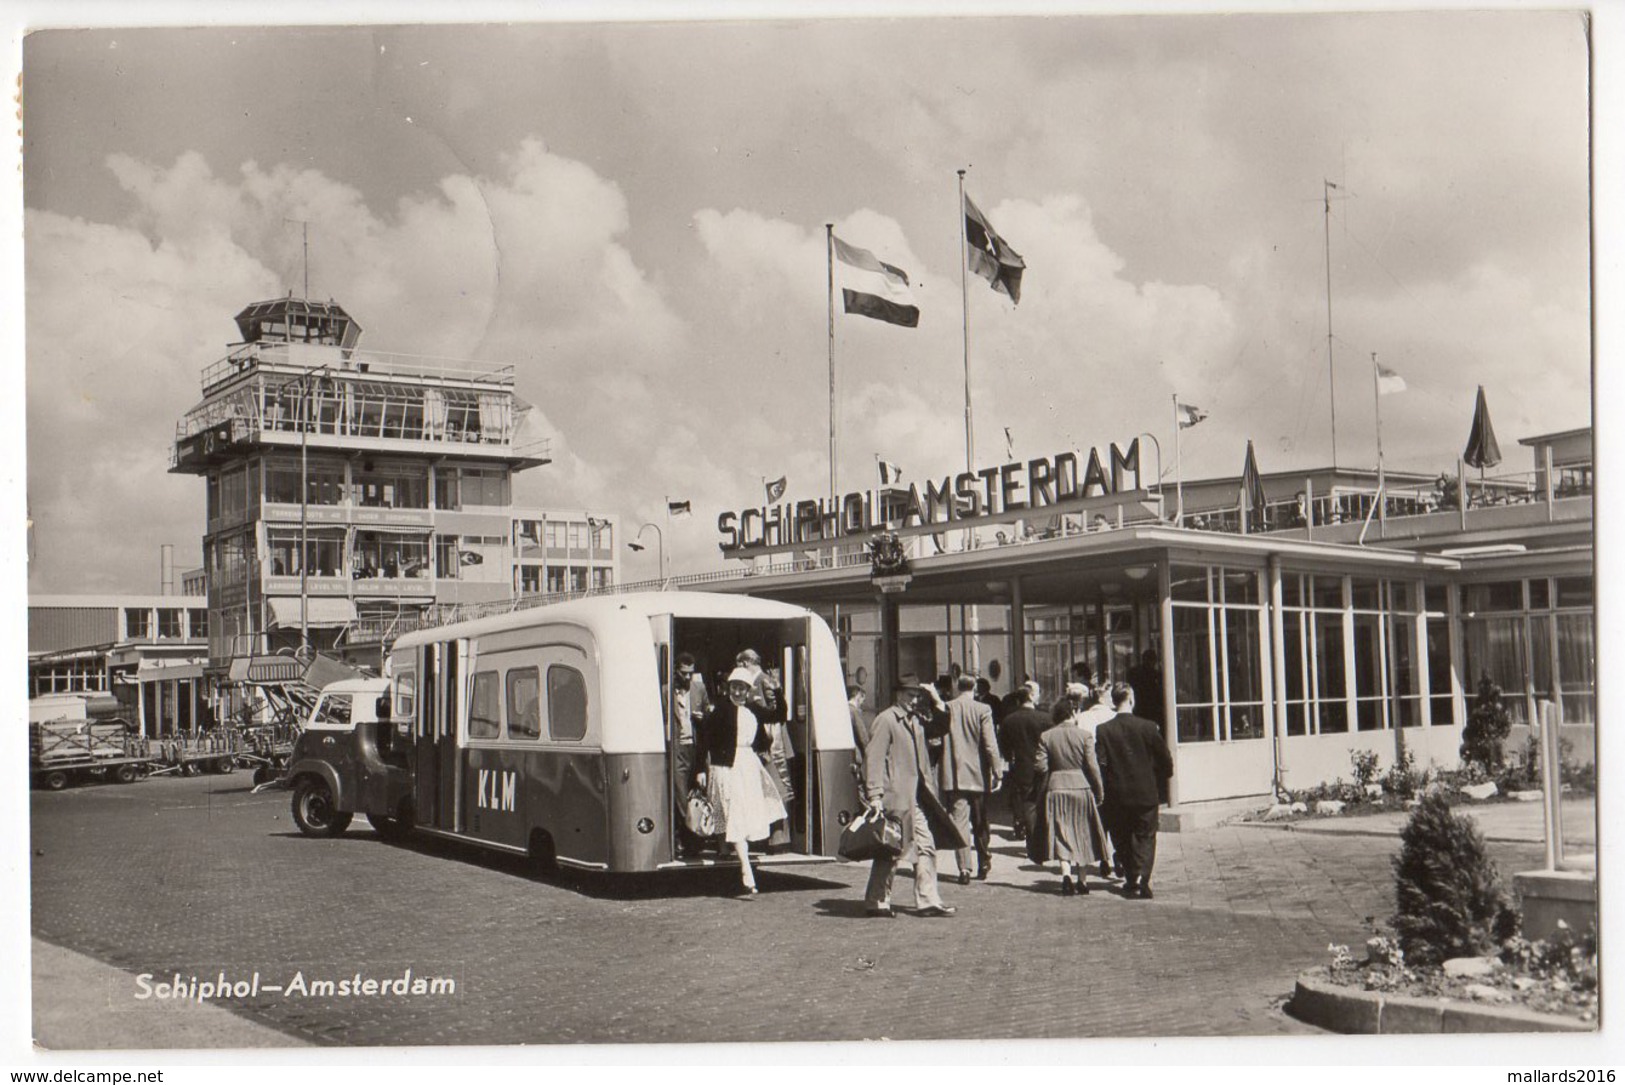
(351,491)
(147,651)
(1293,622)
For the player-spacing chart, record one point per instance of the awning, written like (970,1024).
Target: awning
(149,670)
(321,612)
(269,669)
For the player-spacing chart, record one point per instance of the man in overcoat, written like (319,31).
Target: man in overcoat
(898,780)
(970,768)
(1136,767)
(1018,737)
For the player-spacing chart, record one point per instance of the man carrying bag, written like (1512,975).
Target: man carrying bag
(899,782)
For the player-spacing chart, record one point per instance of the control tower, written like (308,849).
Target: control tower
(346,488)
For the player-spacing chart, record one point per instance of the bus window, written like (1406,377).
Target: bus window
(406,687)
(483,721)
(566,704)
(523,718)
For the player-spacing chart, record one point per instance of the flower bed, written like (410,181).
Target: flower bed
(1556,976)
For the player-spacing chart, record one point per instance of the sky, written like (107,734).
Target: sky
(632,215)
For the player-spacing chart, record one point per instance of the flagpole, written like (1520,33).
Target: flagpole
(1376,398)
(1179,471)
(1326,194)
(964,303)
(829,253)
(964,311)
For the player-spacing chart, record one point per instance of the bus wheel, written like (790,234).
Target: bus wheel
(225,766)
(544,858)
(314,810)
(125,774)
(55,781)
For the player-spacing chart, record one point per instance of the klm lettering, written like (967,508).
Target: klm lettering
(496,790)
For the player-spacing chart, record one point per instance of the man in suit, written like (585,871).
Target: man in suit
(1136,766)
(860,728)
(970,769)
(1018,742)
(897,779)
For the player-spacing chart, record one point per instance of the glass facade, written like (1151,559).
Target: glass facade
(1219,653)
(1536,639)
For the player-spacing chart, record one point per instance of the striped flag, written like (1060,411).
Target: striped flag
(874,288)
(889,473)
(1189,415)
(679,508)
(1389,381)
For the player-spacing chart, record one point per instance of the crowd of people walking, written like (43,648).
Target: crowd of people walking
(1083,782)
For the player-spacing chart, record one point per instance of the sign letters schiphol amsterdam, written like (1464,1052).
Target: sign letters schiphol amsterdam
(954,499)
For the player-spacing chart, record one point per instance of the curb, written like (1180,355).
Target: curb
(1343,1009)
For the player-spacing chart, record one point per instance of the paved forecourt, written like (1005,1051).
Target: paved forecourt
(199,877)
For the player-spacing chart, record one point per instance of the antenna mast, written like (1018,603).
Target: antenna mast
(1326,194)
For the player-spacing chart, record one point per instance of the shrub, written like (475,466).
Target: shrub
(1449,901)
(1483,739)
(1402,781)
(1365,767)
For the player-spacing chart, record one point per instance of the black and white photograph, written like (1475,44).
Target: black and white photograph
(958,533)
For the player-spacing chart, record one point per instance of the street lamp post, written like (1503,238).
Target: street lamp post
(660,538)
(304,505)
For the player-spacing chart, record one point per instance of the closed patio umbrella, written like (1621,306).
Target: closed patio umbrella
(1252,491)
(1482,450)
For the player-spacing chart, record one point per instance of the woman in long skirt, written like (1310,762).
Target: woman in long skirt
(1070,829)
(744,796)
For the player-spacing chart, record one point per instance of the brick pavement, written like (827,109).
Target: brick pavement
(196,875)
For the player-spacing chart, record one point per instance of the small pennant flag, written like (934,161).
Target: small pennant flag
(889,473)
(1189,415)
(990,256)
(775,489)
(1388,381)
(874,288)
(679,508)
(1009,445)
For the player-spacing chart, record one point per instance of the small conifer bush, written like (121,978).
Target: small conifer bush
(1450,903)
(1483,738)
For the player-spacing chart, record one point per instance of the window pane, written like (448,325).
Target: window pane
(1332,709)
(523,708)
(1363,593)
(1438,598)
(1188,583)
(1577,667)
(1540,594)
(1368,671)
(1244,671)
(1496,647)
(1326,592)
(1501,595)
(566,704)
(1240,586)
(1574,591)
(1292,590)
(483,721)
(1540,657)
(1402,671)
(1196,724)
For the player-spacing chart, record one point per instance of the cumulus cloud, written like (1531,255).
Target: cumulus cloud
(525,268)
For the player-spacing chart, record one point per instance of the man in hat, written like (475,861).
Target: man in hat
(898,780)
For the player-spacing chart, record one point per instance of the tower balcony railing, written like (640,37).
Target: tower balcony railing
(299,357)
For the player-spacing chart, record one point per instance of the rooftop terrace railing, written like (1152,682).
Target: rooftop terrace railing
(303,356)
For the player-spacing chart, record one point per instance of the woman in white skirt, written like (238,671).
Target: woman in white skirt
(744,796)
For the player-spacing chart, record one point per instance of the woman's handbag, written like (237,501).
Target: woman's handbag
(873,834)
(699,814)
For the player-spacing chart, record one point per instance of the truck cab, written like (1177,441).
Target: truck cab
(344,763)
